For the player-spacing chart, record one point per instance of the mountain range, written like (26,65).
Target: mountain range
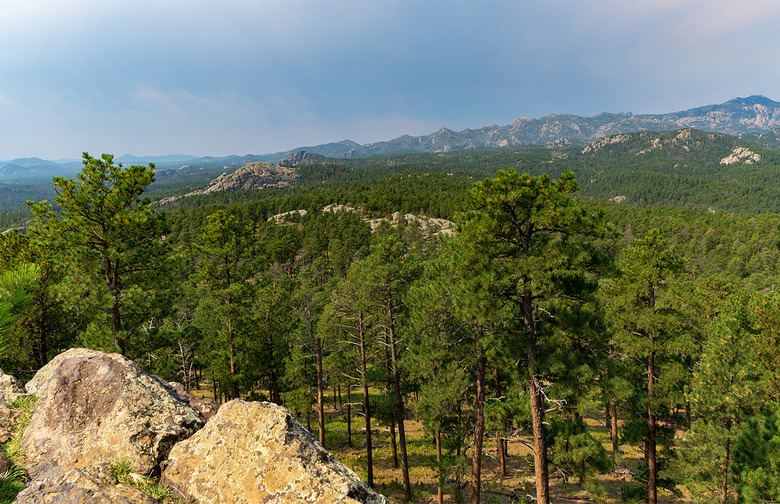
(755,119)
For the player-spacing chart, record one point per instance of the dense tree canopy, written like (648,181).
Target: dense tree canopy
(544,315)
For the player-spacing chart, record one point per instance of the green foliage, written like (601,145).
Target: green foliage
(113,238)
(13,481)
(757,457)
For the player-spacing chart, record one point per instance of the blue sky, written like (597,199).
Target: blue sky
(217,77)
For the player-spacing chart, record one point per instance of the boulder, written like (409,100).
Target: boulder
(73,486)
(10,390)
(94,408)
(257,452)
(38,382)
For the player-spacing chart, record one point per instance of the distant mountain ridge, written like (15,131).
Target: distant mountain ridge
(755,118)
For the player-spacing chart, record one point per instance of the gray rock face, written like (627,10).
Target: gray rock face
(94,408)
(257,452)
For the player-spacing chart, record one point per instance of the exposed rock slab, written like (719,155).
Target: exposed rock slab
(257,452)
(94,407)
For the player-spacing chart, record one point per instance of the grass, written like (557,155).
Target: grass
(14,480)
(123,474)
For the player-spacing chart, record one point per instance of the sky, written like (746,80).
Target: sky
(220,77)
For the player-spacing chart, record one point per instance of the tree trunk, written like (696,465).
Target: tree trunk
(393,444)
(366,410)
(233,369)
(399,412)
(613,429)
(652,470)
(724,492)
(537,402)
(501,448)
(391,393)
(274,379)
(479,429)
(349,415)
(439,487)
(320,391)
(501,443)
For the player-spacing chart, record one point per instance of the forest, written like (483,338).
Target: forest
(599,336)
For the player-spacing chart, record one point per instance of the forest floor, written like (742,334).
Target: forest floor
(518,486)
(518,483)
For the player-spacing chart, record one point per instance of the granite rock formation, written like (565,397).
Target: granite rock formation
(257,452)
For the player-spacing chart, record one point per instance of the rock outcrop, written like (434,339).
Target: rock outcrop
(303,158)
(257,452)
(100,425)
(253,176)
(741,155)
(93,408)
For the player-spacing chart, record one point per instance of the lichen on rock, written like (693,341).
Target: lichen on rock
(257,452)
(94,407)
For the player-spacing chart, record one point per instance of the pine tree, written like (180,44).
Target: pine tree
(648,328)
(527,227)
(223,270)
(112,234)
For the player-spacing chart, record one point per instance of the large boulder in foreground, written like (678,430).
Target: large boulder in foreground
(95,408)
(257,452)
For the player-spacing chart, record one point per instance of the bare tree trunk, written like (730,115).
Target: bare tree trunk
(399,413)
(613,428)
(393,444)
(367,410)
(501,443)
(537,404)
(274,379)
(391,391)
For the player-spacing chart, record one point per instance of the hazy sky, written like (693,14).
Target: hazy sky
(216,77)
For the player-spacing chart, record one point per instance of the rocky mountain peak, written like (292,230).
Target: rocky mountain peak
(303,158)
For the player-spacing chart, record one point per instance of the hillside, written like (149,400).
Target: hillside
(685,168)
